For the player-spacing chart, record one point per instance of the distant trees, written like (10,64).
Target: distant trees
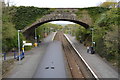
(71,29)
(83,35)
(109,4)
(47,28)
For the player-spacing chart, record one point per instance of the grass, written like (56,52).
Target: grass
(7,65)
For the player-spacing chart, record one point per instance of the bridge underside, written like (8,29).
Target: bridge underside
(29,33)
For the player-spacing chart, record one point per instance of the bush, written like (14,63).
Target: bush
(106,35)
(94,12)
(25,16)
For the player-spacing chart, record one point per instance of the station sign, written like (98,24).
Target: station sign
(28,44)
(24,42)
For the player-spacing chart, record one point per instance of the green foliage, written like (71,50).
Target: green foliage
(94,12)
(24,16)
(111,17)
(83,35)
(109,4)
(106,35)
(47,28)
(8,30)
(80,32)
(9,33)
(71,28)
(28,48)
(15,18)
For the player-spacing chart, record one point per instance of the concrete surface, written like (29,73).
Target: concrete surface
(98,65)
(27,67)
(52,64)
(50,37)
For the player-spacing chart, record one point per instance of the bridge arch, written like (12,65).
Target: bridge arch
(58,16)
(31,30)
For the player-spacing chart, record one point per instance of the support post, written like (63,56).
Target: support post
(4,56)
(19,44)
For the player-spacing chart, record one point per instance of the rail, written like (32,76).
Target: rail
(93,73)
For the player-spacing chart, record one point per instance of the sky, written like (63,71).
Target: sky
(57,3)
(62,22)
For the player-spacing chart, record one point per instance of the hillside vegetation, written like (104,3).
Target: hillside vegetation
(15,18)
(106,36)
(93,12)
(46,29)
(106,32)
(24,16)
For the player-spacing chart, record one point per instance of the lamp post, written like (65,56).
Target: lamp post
(35,35)
(92,35)
(19,44)
(80,39)
(47,30)
(51,29)
(44,31)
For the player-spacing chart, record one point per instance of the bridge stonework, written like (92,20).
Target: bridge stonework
(58,15)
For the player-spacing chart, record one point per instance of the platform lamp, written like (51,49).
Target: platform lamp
(19,44)
(92,35)
(35,35)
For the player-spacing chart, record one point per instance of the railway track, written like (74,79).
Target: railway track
(77,67)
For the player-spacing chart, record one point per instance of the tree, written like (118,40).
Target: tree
(109,4)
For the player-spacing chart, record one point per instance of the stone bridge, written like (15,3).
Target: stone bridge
(59,15)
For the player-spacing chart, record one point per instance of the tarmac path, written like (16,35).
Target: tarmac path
(52,64)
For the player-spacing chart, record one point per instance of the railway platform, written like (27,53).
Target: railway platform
(28,66)
(52,65)
(98,65)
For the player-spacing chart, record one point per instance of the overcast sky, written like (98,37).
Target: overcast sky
(62,22)
(57,3)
